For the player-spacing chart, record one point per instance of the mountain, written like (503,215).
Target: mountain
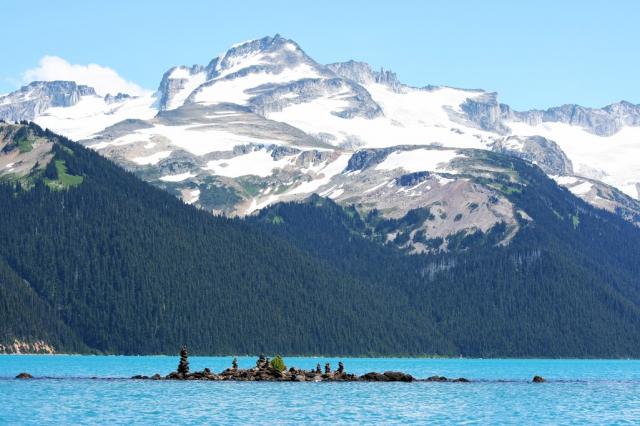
(265,123)
(550,291)
(92,259)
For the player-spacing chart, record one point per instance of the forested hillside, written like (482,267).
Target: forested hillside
(131,269)
(567,285)
(93,259)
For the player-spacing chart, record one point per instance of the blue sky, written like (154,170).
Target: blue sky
(534,55)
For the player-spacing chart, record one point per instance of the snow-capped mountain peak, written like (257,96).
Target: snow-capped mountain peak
(264,122)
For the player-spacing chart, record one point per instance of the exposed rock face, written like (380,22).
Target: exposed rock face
(362,73)
(21,151)
(35,98)
(543,152)
(272,98)
(412,179)
(284,51)
(275,56)
(173,82)
(603,196)
(485,112)
(366,158)
(600,121)
(110,99)
(24,347)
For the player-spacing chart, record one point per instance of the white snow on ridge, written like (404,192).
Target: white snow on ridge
(92,114)
(258,163)
(582,188)
(428,124)
(193,196)
(177,178)
(373,188)
(152,159)
(124,140)
(616,156)
(565,180)
(419,160)
(419,107)
(192,83)
(202,139)
(235,90)
(331,169)
(180,73)
(327,171)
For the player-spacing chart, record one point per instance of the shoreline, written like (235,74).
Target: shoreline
(408,357)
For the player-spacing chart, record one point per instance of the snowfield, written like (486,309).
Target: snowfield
(152,159)
(614,159)
(258,163)
(420,160)
(92,115)
(177,178)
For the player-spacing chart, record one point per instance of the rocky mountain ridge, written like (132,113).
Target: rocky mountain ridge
(264,123)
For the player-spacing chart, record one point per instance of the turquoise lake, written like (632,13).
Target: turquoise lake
(94,390)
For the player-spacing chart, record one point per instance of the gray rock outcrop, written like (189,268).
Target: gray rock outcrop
(35,98)
(538,150)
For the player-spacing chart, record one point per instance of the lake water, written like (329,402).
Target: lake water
(578,392)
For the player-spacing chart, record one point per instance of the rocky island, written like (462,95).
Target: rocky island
(275,370)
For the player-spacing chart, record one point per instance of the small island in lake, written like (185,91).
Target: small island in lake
(276,370)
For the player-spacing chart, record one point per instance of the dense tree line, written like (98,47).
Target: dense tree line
(558,289)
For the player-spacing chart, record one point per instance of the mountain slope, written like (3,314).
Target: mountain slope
(118,266)
(566,285)
(29,324)
(131,269)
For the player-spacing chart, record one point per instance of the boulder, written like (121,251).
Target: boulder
(374,377)
(538,379)
(398,376)
(24,376)
(437,379)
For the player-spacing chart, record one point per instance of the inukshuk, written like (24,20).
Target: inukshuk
(183,366)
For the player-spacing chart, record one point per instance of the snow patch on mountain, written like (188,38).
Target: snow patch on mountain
(188,85)
(152,159)
(92,114)
(177,178)
(419,160)
(259,163)
(415,116)
(329,170)
(612,159)
(237,90)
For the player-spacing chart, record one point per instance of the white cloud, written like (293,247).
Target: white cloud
(103,79)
